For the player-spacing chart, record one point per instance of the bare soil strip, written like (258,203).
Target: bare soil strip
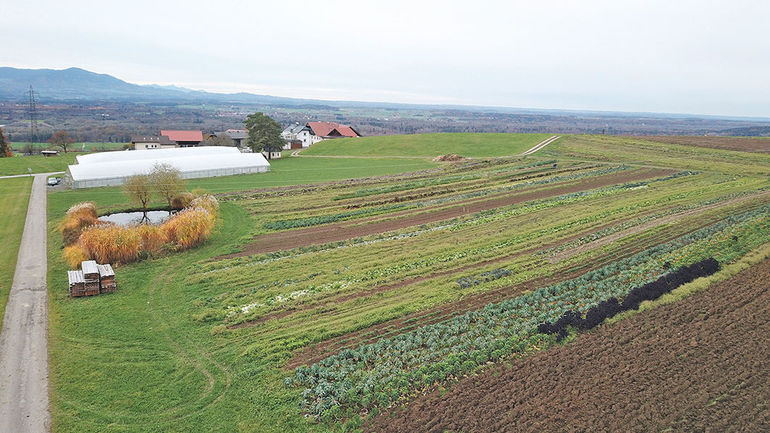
(287,240)
(24,338)
(700,364)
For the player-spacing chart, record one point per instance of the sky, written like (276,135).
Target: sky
(673,56)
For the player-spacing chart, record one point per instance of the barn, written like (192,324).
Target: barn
(184,138)
(112,168)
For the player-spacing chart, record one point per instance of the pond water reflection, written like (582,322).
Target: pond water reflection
(128,218)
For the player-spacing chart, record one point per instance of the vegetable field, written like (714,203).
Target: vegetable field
(353,304)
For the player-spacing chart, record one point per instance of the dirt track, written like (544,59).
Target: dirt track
(701,364)
(348,230)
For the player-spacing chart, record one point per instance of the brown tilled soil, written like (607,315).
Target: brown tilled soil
(699,365)
(745,144)
(287,240)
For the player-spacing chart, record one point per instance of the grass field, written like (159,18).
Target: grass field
(429,145)
(19,164)
(426,276)
(14,198)
(88,146)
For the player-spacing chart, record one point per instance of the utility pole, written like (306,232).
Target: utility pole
(32,111)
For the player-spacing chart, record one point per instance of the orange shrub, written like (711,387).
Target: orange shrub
(74,255)
(78,217)
(111,244)
(189,227)
(153,238)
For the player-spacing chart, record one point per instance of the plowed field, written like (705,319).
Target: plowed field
(701,364)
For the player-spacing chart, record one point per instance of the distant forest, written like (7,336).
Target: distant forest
(118,121)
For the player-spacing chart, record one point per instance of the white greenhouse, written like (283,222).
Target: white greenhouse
(112,168)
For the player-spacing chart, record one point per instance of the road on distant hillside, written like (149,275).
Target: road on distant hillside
(24,337)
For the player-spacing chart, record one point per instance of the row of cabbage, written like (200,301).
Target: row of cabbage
(378,374)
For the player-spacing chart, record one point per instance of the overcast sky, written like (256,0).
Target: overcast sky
(675,56)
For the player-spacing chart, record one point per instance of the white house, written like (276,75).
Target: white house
(299,136)
(152,142)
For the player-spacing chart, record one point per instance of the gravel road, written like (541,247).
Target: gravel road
(24,337)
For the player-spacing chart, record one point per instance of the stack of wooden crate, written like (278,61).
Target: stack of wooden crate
(107,278)
(92,279)
(77,284)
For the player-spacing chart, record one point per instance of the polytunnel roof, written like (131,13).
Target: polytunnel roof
(186,160)
(126,155)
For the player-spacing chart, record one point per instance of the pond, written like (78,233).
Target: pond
(129,218)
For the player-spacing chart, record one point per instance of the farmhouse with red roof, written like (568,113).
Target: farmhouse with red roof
(299,136)
(184,138)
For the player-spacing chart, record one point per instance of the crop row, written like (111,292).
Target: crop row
(609,308)
(221,272)
(381,372)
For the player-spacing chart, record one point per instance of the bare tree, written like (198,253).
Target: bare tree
(139,189)
(167,181)
(218,140)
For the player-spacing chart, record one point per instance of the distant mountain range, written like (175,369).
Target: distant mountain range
(75,84)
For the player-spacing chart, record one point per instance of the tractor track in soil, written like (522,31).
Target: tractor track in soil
(699,364)
(287,240)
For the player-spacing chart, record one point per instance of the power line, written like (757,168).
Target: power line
(32,111)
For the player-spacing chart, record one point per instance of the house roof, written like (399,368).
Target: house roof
(295,128)
(325,129)
(183,135)
(237,133)
(163,139)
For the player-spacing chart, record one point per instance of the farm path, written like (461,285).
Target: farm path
(542,144)
(28,175)
(24,337)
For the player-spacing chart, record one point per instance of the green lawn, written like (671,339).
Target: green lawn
(429,145)
(285,171)
(19,164)
(87,146)
(14,198)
